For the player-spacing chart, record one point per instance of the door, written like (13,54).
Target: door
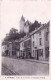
(36,54)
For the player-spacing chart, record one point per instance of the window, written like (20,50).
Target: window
(16,31)
(40,52)
(39,33)
(22,44)
(33,35)
(47,29)
(13,32)
(33,43)
(40,41)
(21,51)
(47,52)
(5,47)
(33,52)
(46,36)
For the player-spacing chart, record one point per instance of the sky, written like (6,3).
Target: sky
(12,10)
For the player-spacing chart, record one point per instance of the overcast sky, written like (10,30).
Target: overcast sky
(12,10)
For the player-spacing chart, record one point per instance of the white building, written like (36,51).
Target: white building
(4,47)
(40,42)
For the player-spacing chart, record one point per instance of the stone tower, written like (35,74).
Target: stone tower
(22,24)
(26,27)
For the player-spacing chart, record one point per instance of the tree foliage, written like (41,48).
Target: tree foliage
(33,26)
(22,34)
(13,35)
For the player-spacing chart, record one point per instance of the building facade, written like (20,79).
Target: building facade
(21,47)
(40,42)
(25,47)
(4,47)
(14,48)
(34,45)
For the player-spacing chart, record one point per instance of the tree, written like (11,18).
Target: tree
(33,26)
(22,34)
(13,35)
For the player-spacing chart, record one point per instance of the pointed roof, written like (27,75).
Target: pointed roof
(27,22)
(22,18)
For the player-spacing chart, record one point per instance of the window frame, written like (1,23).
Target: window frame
(33,43)
(40,41)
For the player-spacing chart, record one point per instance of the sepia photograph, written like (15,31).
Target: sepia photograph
(25,30)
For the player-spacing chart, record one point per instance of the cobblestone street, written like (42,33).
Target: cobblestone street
(22,67)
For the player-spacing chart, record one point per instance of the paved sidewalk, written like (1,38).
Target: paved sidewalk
(38,61)
(31,60)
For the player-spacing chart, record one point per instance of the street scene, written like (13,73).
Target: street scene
(25,41)
(26,52)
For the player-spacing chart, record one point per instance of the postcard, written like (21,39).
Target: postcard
(25,39)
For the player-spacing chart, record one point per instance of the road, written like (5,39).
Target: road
(7,71)
(22,67)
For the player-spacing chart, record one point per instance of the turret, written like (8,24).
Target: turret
(22,23)
(26,28)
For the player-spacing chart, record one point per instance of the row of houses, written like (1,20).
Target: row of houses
(34,45)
